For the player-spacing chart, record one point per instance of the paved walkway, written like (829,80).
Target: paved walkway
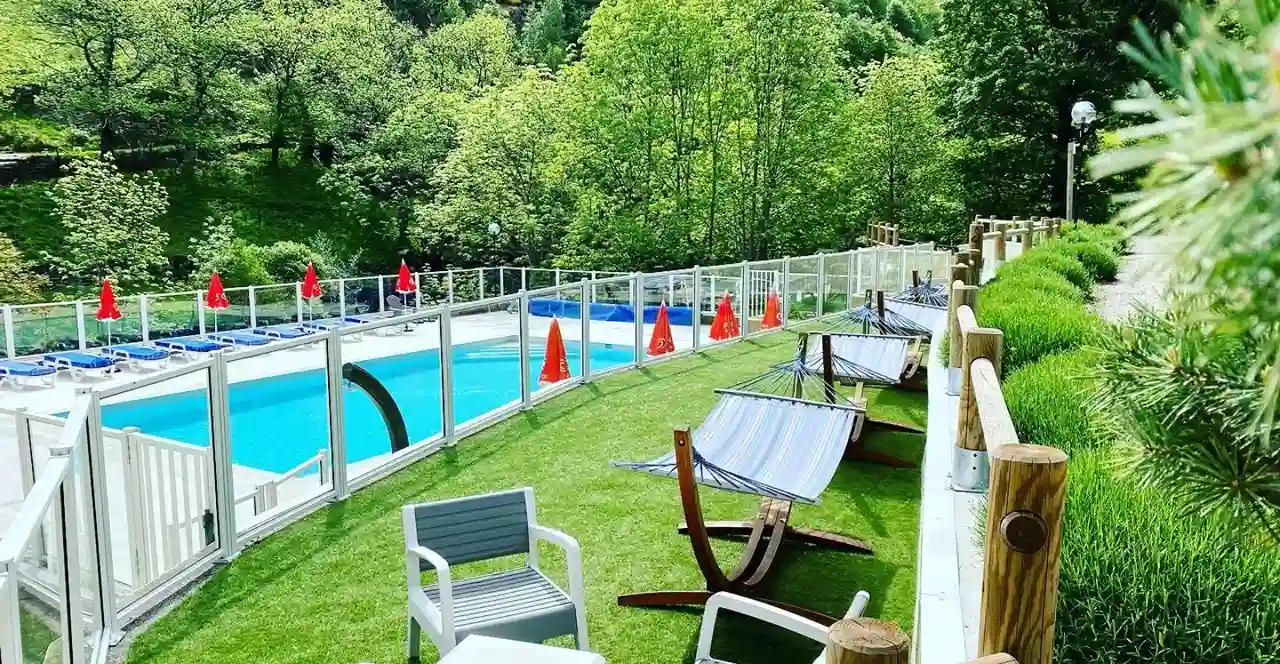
(1142,281)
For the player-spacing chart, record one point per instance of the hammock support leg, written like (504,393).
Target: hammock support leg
(818,538)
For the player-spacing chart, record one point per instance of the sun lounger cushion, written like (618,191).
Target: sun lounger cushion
(17,368)
(79,360)
(240,339)
(137,352)
(192,345)
(283,332)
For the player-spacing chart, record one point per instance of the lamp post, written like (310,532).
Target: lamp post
(1082,115)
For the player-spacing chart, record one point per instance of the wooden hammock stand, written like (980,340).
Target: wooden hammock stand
(764,538)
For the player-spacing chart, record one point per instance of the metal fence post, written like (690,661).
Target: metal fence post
(450,275)
(875,269)
(224,483)
(502,281)
(526,389)
(10,345)
(743,294)
(297,298)
(637,308)
(337,416)
(480,281)
(446,377)
(10,625)
(70,591)
(785,295)
(557,276)
(594,276)
(417,291)
(852,286)
(584,337)
(143,323)
(342,296)
(524,278)
(253,307)
(822,285)
(80,323)
(697,308)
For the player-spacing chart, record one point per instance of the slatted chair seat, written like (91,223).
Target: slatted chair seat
(520,604)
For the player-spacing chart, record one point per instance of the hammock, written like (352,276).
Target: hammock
(926,292)
(868,358)
(867,319)
(771,446)
(927,316)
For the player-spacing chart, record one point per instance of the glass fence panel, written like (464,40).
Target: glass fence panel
(126,329)
(174,315)
(719,283)
(836,295)
(326,307)
(433,289)
(537,277)
(276,305)
(392,299)
(4,339)
(467,285)
(362,297)
(676,291)
(612,322)
(160,482)
(401,363)
(39,329)
(279,406)
(803,288)
(41,602)
(764,278)
(486,358)
(890,262)
(234,317)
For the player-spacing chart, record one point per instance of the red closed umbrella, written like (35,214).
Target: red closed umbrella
(661,342)
(555,365)
(216,298)
(107,309)
(772,318)
(311,288)
(725,324)
(404,281)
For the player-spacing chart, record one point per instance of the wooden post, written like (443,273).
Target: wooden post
(880,303)
(1001,228)
(998,658)
(1024,541)
(867,641)
(975,245)
(978,342)
(896,235)
(961,295)
(1026,235)
(960,272)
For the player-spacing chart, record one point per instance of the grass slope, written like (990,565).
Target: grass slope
(331,588)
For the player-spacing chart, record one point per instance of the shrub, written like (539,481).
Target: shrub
(1033,277)
(1112,237)
(1035,323)
(1063,263)
(1144,583)
(287,261)
(1047,401)
(1098,259)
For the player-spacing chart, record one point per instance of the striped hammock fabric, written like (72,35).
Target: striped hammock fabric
(770,446)
(869,358)
(927,316)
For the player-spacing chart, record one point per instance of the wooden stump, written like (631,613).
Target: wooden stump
(867,641)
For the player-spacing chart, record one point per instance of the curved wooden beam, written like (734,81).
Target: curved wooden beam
(698,537)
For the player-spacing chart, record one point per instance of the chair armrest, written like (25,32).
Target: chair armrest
(758,610)
(444,579)
(573,553)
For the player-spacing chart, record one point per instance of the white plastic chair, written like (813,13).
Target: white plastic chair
(521,604)
(766,613)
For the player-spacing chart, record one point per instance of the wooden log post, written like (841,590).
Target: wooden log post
(1003,229)
(975,245)
(959,272)
(1027,234)
(1024,542)
(897,235)
(961,295)
(867,641)
(969,465)
(998,658)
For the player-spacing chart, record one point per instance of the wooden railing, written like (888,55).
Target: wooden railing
(883,234)
(1025,503)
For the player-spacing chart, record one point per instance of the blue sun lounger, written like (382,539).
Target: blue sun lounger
(25,374)
(138,356)
(237,339)
(188,348)
(80,364)
(329,324)
(283,332)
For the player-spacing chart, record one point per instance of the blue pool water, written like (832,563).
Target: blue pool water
(279,422)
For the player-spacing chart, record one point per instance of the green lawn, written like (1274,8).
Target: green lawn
(331,588)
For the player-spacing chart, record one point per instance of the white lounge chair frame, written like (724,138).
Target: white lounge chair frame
(765,613)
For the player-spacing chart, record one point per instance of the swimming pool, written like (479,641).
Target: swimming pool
(279,422)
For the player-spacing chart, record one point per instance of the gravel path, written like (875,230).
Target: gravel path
(1143,276)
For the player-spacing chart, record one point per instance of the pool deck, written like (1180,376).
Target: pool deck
(466,329)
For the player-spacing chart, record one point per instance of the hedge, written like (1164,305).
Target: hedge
(1099,259)
(1046,399)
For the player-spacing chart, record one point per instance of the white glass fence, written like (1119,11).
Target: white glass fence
(194,461)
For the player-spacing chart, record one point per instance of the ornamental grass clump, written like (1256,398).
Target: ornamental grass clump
(1047,400)
(1035,323)
(1029,276)
(1110,236)
(1052,258)
(1099,260)
(1144,583)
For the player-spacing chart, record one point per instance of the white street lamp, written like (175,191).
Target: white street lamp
(1083,114)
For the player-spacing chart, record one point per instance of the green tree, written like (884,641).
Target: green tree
(19,282)
(545,37)
(120,44)
(469,56)
(202,44)
(1015,68)
(109,225)
(901,160)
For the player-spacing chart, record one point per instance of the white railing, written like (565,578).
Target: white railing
(164,512)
